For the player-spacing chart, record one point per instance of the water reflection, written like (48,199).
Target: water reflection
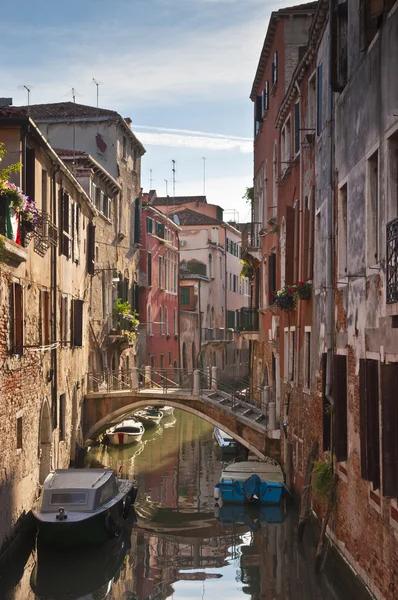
(181,546)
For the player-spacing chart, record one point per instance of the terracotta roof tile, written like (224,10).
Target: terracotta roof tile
(65,110)
(178,200)
(191,217)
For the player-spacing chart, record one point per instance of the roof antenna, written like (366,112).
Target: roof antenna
(97,84)
(166,187)
(173,162)
(204,175)
(28,90)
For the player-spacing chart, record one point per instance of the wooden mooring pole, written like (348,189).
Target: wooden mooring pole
(306,493)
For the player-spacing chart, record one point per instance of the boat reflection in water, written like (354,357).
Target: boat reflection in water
(80,574)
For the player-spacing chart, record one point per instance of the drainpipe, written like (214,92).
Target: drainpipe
(300,233)
(329,232)
(54,355)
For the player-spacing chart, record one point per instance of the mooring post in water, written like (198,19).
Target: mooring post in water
(196,382)
(306,492)
(134,379)
(214,379)
(321,543)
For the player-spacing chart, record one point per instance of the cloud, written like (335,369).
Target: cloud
(197,142)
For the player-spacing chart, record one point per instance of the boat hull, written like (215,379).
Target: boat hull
(148,420)
(121,438)
(231,491)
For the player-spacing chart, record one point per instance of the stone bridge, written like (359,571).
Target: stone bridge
(113,395)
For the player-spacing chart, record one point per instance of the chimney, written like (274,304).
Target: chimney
(5,101)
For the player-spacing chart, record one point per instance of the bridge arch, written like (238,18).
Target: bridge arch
(115,415)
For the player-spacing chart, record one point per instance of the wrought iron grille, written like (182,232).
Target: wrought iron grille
(44,232)
(392,261)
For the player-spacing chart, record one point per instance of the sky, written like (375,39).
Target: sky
(182,70)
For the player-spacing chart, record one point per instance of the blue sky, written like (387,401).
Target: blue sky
(180,69)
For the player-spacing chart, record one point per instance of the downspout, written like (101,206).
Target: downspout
(54,354)
(300,232)
(329,234)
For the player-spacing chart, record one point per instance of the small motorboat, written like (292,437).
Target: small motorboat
(128,431)
(224,440)
(255,482)
(166,410)
(150,416)
(82,506)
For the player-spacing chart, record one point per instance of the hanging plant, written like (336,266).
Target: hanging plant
(247,270)
(322,478)
(286,298)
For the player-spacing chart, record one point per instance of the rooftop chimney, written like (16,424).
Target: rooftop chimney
(5,101)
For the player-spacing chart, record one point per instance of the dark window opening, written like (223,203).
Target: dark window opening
(62,408)
(77,323)
(19,433)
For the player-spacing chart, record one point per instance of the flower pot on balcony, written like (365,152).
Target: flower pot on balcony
(304,291)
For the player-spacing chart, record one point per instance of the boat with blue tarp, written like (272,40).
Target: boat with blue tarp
(254,482)
(225,441)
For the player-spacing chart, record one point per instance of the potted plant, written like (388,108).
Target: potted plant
(303,290)
(286,298)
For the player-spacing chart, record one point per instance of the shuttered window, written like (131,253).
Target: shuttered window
(77,323)
(149,269)
(290,246)
(340,406)
(326,412)
(45,318)
(296,127)
(65,246)
(369,420)
(75,210)
(90,248)
(389,387)
(271,277)
(64,320)
(18,319)
(275,68)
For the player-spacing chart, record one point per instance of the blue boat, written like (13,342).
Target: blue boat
(253,482)
(225,441)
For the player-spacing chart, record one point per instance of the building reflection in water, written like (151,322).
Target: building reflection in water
(180,546)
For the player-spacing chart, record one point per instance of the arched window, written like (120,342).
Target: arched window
(161,320)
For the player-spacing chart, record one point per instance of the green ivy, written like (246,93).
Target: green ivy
(322,478)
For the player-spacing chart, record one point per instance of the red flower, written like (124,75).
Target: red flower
(301,283)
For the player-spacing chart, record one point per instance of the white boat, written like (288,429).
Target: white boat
(149,416)
(224,440)
(166,410)
(128,431)
(80,506)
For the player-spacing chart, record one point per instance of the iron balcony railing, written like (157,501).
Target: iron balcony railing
(248,319)
(392,261)
(251,239)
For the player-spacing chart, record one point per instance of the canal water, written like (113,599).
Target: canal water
(177,545)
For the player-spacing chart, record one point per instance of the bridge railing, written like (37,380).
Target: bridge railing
(145,378)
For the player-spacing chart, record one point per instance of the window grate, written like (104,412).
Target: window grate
(392,261)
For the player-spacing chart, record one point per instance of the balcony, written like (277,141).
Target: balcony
(251,239)
(248,323)
(216,334)
(392,261)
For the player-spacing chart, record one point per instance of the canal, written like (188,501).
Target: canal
(177,545)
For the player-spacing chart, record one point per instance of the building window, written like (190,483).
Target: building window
(62,410)
(319,83)
(77,323)
(275,68)
(166,318)
(210,266)
(231,319)
(65,246)
(342,231)
(162,361)
(185,296)
(44,192)
(292,357)
(160,229)
(150,332)
(64,320)
(175,322)
(124,147)
(371,19)
(312,104)
(372,205)
(107,207)
(149,269)
(98,201)
(271,277)
(174,278)
(45,318)
(339,72)
(286,353)
(149,225)
(389,415)
(160,272)
(286,147)
(297,128)
(369,419)
(17,319)
(265,98)
(19,433)
(340,406)
(166,274)
(170,360)
(307,359)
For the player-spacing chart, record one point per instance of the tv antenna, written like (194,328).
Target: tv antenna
(173,162)
(97,84)
(28,90)
(166,187)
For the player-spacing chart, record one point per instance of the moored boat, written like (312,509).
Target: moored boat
(257,482)
(224,440)
(128,431)
(81,506)
(166,410)
(150,416)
